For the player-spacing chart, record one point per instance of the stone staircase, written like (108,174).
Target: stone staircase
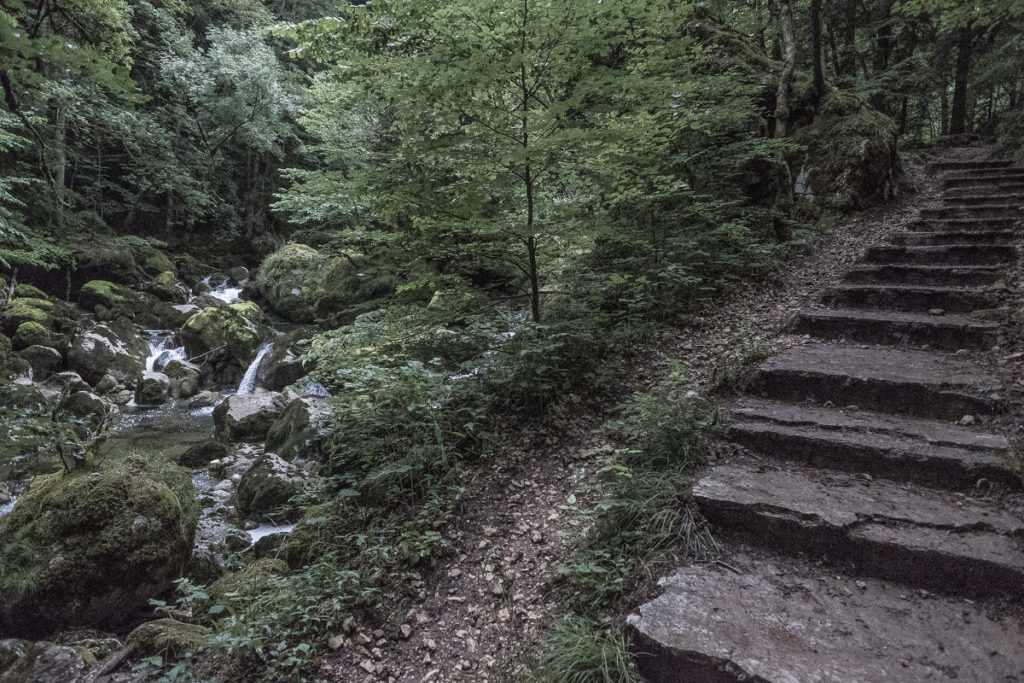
(875,525)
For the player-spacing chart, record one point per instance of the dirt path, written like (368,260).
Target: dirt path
(476,614)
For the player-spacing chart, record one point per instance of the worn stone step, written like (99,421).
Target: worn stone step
(952,255)
(956,237)
(920,383)
(772,620)
(980,211)
(1012,184)
(964,224)
(969,166)
(940,276)
(981,199)
(907,297)
(932,453)
(920,537)
(951,332)
(984,174)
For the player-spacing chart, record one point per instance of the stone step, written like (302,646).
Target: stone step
(907,298)
(963,224)
(980,199)
(981,211)
(1012,184)
(771,620)
(920,537)
(948,276)
(999,173)
(919,383)
(952,255)
(956,237)
(950,332)
(971,166)
(904,449)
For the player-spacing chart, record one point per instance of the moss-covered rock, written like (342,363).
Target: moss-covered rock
(92,546)
(31,333)
(345,285)
(167,287)
(167,638)
(109,300)
(84,404)
(247,416)
(851,159)
(27,291)
(25,310)
(46,662)
(289,279)
(234,590)
(267,486)
(44,360)
(221,334)
(248,310)
(154,389)
(301,430)
(153,261)
(7,358)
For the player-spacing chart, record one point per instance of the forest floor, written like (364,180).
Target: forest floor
(479,611)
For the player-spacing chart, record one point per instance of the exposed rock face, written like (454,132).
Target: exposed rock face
(247,416)
(201,454)
(281,368)
(153,389)
(301,430)
(112,349)
(45,662)
(267,485)
(90,547)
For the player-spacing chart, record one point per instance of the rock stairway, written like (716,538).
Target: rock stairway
(867,542)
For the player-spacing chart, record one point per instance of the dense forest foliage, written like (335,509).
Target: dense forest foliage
(470,208)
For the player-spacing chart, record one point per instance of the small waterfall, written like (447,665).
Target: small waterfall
(248,383)
(224,292)
(160,351)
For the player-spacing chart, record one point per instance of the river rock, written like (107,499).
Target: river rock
(91,546)
(67,382)
(44,662)
(153,389)
(31,333)
(281,368)
(268,485)
(84,404)
(201,454)
(168,288)
(181,313)
(221,334)
(204,399)
(43,359)
(113,349)
(247,416)
(168,638)
(301,430)
(204,301)
(238,274)
(24,310)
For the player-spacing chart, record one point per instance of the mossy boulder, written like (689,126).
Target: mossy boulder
(7,358)
(221,334)
(153,261)
(113,349)
(25,310)
(248,310)
(154,389)
(31,333)
(346,284)
(90,547)
(234,590)
(103,292)
(43,360)
(30,292)
(167,287)
(267,486)
(167,638)
(84,404)
(289,279)
(851,159)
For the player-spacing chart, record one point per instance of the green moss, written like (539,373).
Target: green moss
(26,310)
(154,261)
(235,590)
(249,311)
(103,292)
(31,333)
(221,333)
(167,638)
(91,546)
(30,292)
(289,279)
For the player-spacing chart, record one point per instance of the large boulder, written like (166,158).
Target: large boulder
(84,404)
(301,430)
(90,547)
(247,416)
(281,368)
(43,359)
(167,287)
(851,158)
(114,348)
(25,310)
(153,389)
(115,298)
(201,454)
(302,284)
(219,334)
(31,333)
(267,486)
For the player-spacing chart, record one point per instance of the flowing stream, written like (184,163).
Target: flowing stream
(160,351)
(248,383)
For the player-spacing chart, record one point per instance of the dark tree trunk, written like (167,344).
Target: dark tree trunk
(964,53)
(817,56)
(784,98)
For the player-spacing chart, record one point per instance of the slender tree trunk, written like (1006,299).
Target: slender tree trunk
(528,179)
(817,53)
(60,173)
(883,51)
(784,97)
(964,53)
(944,110)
